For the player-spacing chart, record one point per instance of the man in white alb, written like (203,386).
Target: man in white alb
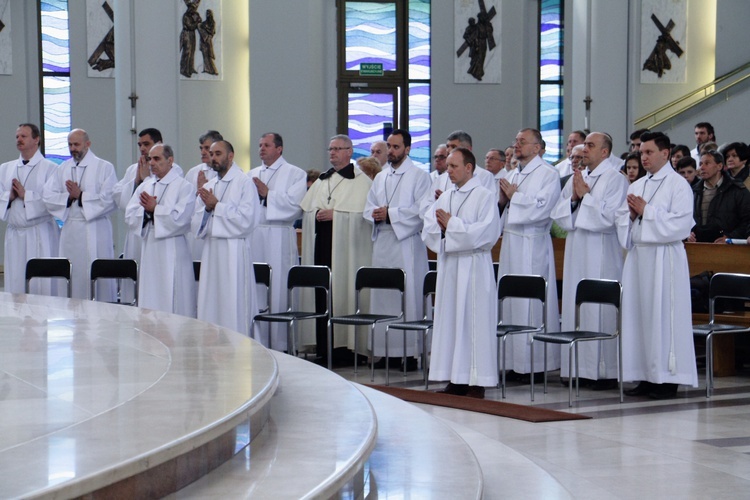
(281,187)
(32,231)
(161,210)
(393,210)
(79,193)
(197,177)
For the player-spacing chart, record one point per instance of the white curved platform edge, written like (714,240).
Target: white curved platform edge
(320,433)
(92,394)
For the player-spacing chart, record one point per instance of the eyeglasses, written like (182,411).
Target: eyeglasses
(337,149)
(439,157)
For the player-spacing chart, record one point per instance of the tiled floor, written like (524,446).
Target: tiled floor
(688,447)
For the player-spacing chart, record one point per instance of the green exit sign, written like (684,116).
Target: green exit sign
(371,69)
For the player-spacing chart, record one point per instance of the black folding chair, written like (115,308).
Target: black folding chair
(724,286)
(263,275)
(588,291)
(518,286)
(386,278)
(424,325)
(118,269)
(49,267)
(316,277)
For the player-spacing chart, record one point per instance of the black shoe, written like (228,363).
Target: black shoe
(663,391)
(455,389)
(526,378)
(475,391)
(511,376)
(642,389)
(604,384)
(411,364)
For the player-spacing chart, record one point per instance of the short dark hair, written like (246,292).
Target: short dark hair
(686,161)
(460,136)
(580,133)
(638,133)
(709,128)
(214,135)
(738,147)
(34,129)
(680,148)
(500,152)
(277,140)
(468,156)
(660,139)
(227,144)
(405,135)
(151,132)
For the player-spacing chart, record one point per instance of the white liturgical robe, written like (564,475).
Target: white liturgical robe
(32,231)
(592,251)
(196,244)
(166,279)
(87,231)
(398,243)
(121,193)
(464,344)
(226,289)
(351,248)
(527,249)
(657,333)
(443,183)
(275,239)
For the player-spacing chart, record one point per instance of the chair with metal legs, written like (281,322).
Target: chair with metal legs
(518,286)
(315,277)
(367,278)
(49,267)
(722,286)
(118,269)
(588,291)
(424,325)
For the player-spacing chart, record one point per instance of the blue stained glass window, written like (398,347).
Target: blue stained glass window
(370,34)
(419,39)
(368,113)
(419,124)
(55,78)
(551,77)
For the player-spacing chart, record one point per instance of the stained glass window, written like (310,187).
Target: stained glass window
(367,114)
(370,34)
(55,78)
(551,77)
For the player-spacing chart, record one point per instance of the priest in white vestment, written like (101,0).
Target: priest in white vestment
(123,191)
(527,199)
(461,228)
(392,208)
(31,230)
(161,210)
(197,177)
(586,210)
(335,234)
(438,161)
(657,333)
(281,187)
(80,195)
(228,208)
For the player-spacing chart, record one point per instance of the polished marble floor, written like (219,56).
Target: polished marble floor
(688,447)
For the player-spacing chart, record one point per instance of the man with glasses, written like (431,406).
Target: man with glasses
(526,200)
(441,153)
(335,234)
(565,166)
